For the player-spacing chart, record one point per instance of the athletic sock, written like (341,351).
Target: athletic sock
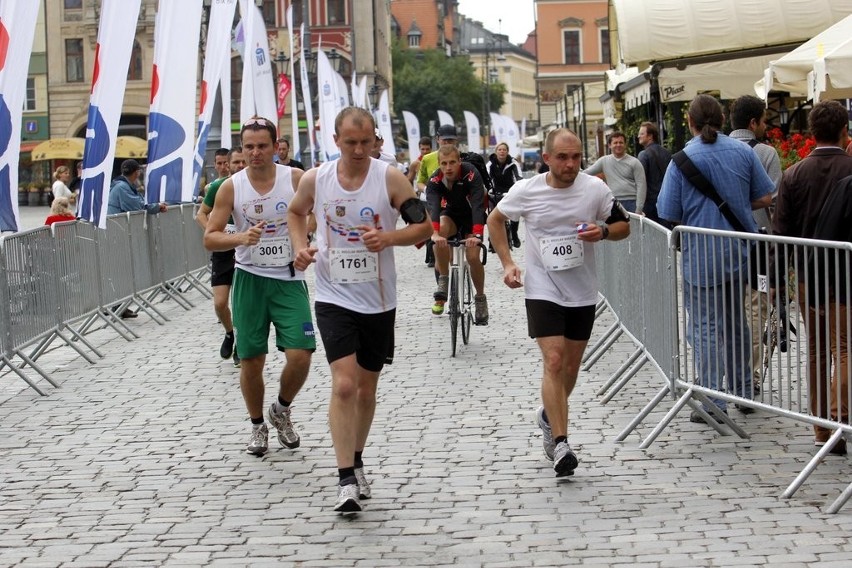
(560,439)
(358,461)
(284,403)
(346,476)
(257,422)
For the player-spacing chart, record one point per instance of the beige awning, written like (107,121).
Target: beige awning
(730,79)
(649,31)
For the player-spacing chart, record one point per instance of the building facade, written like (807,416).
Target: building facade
(573,47)
(426,24)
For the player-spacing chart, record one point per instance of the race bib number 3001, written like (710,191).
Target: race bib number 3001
(353,265)
(561,253)
(272,251)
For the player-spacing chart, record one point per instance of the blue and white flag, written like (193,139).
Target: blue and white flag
(412,130)
(474,143)
(17,28)
(171,126)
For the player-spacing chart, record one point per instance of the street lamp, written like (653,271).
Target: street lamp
(373,95)
(490,76)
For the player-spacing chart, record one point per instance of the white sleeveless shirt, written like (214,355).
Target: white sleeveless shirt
(347,275)
(272,257)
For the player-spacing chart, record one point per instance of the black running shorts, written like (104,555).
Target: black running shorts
(547,319)
(344,332)
(222,268)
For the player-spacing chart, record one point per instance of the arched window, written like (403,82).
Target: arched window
(134,71)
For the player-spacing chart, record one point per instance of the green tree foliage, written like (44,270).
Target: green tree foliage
(425,81)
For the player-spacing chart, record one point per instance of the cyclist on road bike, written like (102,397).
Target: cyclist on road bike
(456,200)
(504,173)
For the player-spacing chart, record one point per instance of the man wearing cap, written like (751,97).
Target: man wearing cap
(429,163)
(377,153)
(123,196)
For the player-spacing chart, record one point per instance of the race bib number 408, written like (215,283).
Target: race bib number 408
(561,253)
(353,265)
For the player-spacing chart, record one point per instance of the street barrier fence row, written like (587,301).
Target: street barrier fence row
(58,282)
(734,323)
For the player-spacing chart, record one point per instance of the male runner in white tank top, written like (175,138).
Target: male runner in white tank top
(357,201)
(267,290)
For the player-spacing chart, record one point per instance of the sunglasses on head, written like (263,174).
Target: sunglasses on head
(261,122)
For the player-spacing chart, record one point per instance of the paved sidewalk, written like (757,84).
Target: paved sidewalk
(138,461)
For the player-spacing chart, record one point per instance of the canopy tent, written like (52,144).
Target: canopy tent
(644,32)
(732,78)
(130,147)
(820,66)
(59,149)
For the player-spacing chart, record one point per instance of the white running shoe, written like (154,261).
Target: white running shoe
(259,441)
(364,491)
(564,460)
(546,433)
(347,499)
(287,434)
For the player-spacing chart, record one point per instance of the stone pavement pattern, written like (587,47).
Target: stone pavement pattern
(138,461)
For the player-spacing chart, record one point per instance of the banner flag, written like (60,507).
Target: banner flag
(445,118)
(217,52)
(498,130)
(17,29)
(257,67)
(225,93)
(523,128)
(412,129)
(383,118)
(362,94)
(112,58)
(171,122)
(295,145)
(354,89)
(331,102)
(513,139)
(474,143)
(306,96)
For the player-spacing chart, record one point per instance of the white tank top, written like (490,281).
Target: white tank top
(272,257)
(348,275)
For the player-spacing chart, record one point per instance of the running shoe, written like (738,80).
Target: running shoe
(347,499)
(287,434)
(546,433)
(564,460)
(259,441)
(481,308)
(364,491)
(227,347)
(441,295)
(237,361)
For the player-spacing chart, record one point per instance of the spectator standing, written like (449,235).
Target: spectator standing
(62,177)
(624,174)
(804,189)
(123,195)
(284,155)
(714,279)
(654,159)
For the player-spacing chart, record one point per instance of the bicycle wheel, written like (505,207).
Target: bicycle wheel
(466,304)
(454,307)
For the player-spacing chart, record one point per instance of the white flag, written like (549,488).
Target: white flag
(384,125)
(474,144)
(412,129)
(295,146)
(306,96)
(225,93)
(217,53)
(17,29)
(445,118)
(171,125)
(262,96)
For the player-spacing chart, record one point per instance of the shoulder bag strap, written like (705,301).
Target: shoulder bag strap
(696,178)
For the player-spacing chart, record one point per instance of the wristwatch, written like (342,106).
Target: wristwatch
(604,229)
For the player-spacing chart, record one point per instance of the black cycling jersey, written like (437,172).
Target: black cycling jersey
(465,197)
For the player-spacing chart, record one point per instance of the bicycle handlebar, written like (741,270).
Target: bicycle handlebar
(457,242)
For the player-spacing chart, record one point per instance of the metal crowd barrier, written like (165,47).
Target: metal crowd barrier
(56,282)
(700,292)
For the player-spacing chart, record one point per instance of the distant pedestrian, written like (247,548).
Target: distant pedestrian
(60,188)
(624,174)
(654,159)
(123,195)
(60,210)
(504,173)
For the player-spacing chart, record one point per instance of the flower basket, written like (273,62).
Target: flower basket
(791,149)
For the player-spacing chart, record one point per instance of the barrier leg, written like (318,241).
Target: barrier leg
(148,307)
(36,368)
(21,374)
(602,350)
(593,349)
(615,376)
(720,416)
(812,465)
(626,378)
(841,500)
(644,413)
(76,336)
(111,320)
(196,283)
(42,346)
(658,429)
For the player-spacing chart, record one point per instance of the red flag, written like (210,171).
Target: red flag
(284,86)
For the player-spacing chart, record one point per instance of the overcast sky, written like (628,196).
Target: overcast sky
(518,16)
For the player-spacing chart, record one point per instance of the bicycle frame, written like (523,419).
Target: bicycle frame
(460,299)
